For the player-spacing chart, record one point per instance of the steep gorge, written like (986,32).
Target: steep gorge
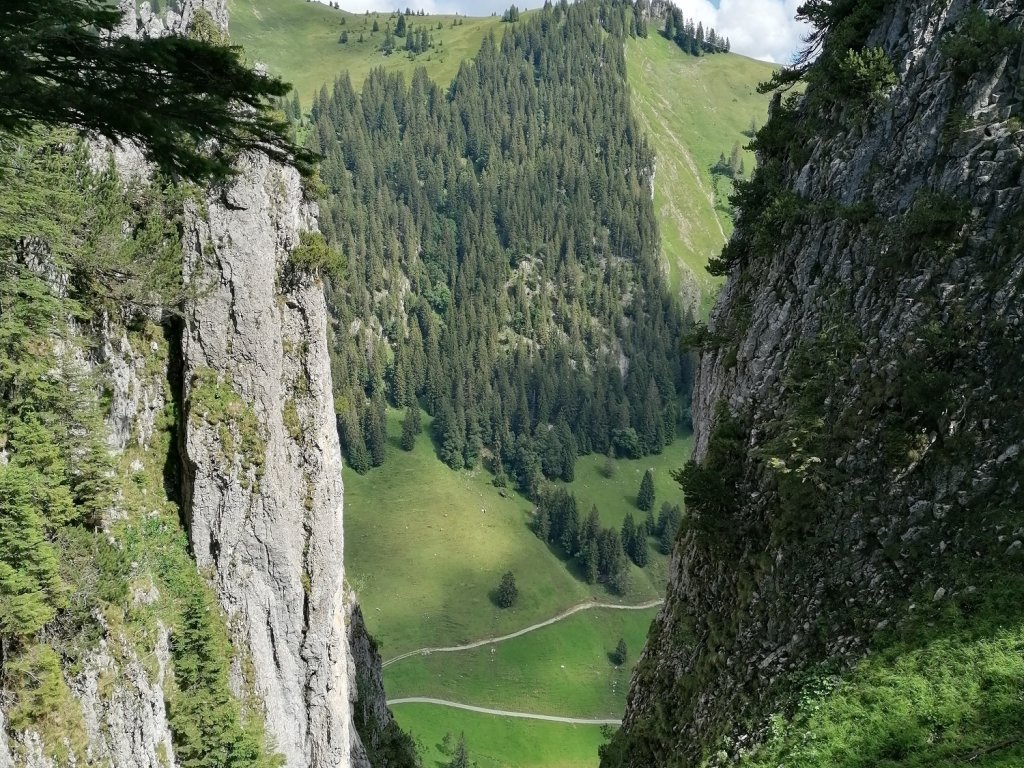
(846,589)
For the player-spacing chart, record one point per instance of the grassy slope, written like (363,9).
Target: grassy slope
(497,742)
(693,109)
(298,41)
(425,546)
(562,669)
(614,497)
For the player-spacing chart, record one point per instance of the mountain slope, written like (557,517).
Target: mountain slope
(848,587)
(299,41)
(693,109)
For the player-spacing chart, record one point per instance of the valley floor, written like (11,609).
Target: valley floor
(426,546)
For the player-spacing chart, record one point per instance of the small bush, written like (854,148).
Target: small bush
(314,256)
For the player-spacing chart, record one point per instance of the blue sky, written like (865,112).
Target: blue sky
(762,29)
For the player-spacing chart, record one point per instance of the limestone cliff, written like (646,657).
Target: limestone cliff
(855,498)
(263,478)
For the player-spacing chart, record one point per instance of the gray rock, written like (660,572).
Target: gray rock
(268,527)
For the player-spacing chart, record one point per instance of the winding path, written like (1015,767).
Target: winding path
(503,713)
(532,628)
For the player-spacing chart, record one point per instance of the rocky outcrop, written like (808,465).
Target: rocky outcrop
(176,19)
(857,411)
(382,742)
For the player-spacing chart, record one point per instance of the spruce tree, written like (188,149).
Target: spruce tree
(410,428)
(668,524)
(629,534)
(461,757)
(375,431)
(619,655)
(62,63)
(650,526)
(645,497)
(507,592)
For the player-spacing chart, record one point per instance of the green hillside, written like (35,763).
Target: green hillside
(298,41)
(425,545)
(499,742)
(693,110)
(562,669)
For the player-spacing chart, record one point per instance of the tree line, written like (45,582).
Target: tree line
(693,38)
(602,554)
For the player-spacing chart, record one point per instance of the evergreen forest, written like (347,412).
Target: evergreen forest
(502,266)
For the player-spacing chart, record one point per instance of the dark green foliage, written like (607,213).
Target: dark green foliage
(978,42)
(507,593)
(669,519)
(460,758)
(608,466)
(494,253)
(511,15)
(866,74)
(598,552)
(375,431)
(410,428)
(933,219)
(692,38)
(314,256)
(61,64)
(400,26)
(206,720)
(712,486)
(353,444)
(620,654)
(650,525)
(634,541)
(838,26)
(645,497)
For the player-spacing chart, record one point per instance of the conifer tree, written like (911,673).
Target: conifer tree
(620,654)
(460,759)
(508,592)
(645,497)
(410,428)
(62,63)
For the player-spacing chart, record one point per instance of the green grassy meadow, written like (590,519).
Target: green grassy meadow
(693,109)
(298,41)
(500,742)
(562,669)
(425,545)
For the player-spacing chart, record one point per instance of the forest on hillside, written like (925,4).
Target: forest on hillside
(501,255)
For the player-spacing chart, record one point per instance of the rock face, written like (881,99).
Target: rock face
(263,488)
(857,411)
(262,493)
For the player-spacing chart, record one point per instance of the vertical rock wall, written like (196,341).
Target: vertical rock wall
(857,407)
(264,491)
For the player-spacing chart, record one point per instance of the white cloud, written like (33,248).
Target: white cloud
(761,29)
